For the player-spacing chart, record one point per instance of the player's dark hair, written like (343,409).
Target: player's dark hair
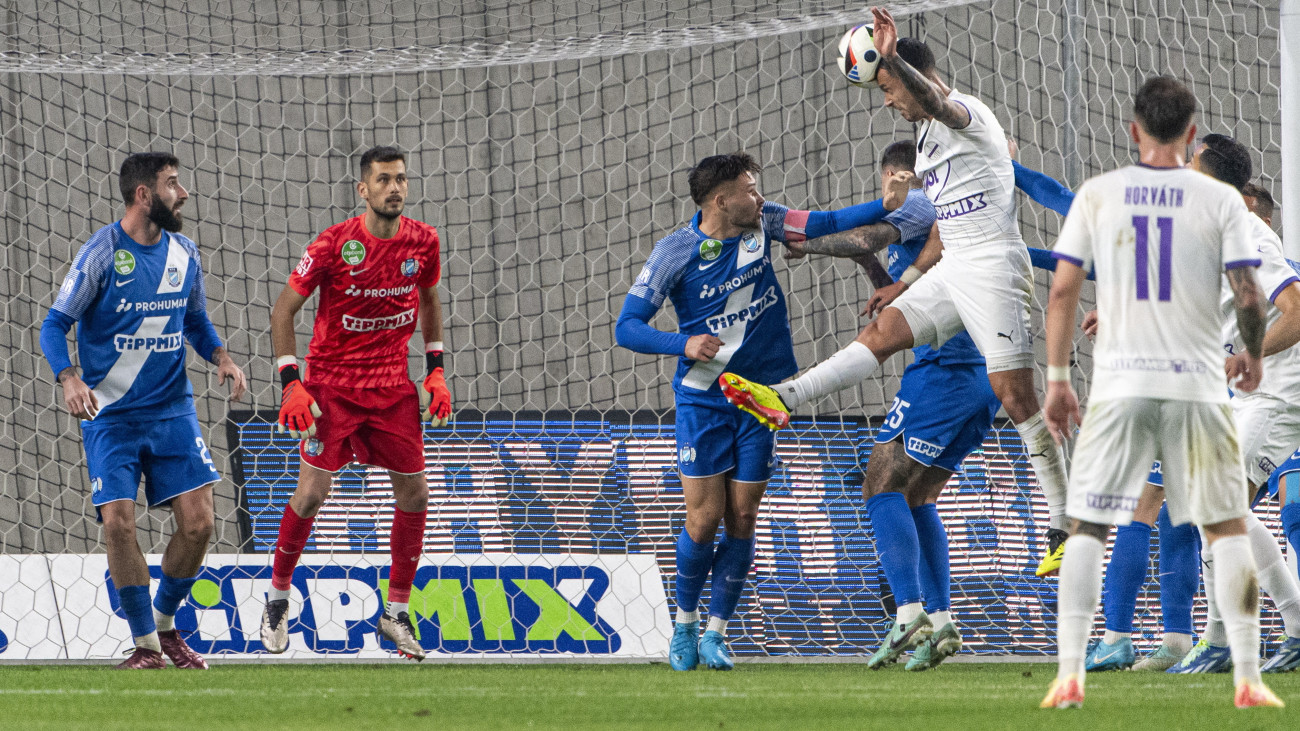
(717,170)
(381,153)
(916,54)
(1264,203)
(1164,107)
(1226,159)
(142,168)
(899,155)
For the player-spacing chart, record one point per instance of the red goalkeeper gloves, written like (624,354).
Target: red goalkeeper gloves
(435,399)
(298,410)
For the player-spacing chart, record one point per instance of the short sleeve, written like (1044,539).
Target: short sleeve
(87,277)
(663,270)
(313,267)
(1075,243)
(914,218)
(1239,245)
(431,274)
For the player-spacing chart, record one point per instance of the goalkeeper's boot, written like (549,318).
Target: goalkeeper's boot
(756,400)
(1051,562)
(1204,658)
(714,652)
(1103,656)
(275,626)
(1256,695)
(684,649)
(401,632)
(1286,659)
(180,653)
(901,638)
(939,646)
(1065,692)
(1162,659)
(143,658)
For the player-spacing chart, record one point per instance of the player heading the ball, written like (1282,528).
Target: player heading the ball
(983,283)
(377,274)
(135,293)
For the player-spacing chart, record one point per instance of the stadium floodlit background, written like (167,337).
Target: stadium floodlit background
(548,142)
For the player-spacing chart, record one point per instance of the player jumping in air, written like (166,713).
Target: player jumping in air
(1159,237)
(135,293)
(377,274)
(717,270)
(983,283)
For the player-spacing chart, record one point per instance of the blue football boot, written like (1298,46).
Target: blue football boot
(684,650)
(1286,659)
(1204,658)
(714,652)
(1103,656)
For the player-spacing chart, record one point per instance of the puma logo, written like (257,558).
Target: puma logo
(1008,337)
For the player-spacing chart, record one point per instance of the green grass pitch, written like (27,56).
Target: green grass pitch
(756,695)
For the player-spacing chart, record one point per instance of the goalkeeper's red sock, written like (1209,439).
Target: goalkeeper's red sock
(294,532)
(405,545)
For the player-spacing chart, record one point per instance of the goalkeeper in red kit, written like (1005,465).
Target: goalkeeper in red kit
(377,274)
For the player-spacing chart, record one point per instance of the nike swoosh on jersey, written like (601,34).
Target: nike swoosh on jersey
(124,281)
(359,271)
(706,266)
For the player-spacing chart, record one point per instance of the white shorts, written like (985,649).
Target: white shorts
(1270,432)
(986,290)
(1196,443)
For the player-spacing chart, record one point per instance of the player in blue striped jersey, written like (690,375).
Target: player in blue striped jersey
(135,292)
(717,271)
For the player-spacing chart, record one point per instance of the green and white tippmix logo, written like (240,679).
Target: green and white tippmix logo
(354,252)
(710,249)
(123,262)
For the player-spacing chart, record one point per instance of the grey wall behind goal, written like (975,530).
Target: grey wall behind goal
(548,143)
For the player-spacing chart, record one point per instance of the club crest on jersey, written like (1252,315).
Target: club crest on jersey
(96,486)
(173,276)
(313,447)
(410,267)
(710,249)
(354,252)
(750,243)
(686,455)
(123,262)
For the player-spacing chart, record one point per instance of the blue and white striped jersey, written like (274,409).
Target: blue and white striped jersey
(135,306)
(728,288)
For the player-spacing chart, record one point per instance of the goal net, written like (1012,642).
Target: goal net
(548,142)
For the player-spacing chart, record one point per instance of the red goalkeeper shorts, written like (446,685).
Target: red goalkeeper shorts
(374,426)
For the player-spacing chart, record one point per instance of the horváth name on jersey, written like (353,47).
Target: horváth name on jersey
(159,344)
(736,282)
(172,304)
(724,321)
(969,204)
(1153,195)
(1171,365)
(370,324)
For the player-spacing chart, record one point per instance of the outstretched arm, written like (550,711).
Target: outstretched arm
(928,94)
(1043,189)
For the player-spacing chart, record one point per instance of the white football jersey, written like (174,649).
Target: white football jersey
(1159,240)
(1281,370)
(968,176)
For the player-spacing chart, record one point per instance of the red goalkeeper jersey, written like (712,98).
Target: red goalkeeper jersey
(369,300)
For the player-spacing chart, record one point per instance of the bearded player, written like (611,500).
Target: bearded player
(376,273)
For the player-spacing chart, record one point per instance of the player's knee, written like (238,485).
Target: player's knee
(119,529)
(1019,404)
(741,523)
(197,530)
(702,522)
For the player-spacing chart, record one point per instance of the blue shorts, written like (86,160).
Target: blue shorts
(712,440)
(942,413)
(169,453)
(1292,464)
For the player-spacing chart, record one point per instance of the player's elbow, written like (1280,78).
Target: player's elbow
(625,332)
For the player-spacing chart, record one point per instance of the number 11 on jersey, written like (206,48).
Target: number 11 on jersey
(1141,227)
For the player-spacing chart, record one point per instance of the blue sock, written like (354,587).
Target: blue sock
(1291,522)
(1180,572)
(1127,572)
(171,592)
(936,583)
(693,562)
(897,545)
(730,567)
(135,602)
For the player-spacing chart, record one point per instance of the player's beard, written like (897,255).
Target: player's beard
(749,222)
(168,219)
(390,212)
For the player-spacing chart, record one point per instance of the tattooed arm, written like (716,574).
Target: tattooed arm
(927,94)
(1244,370)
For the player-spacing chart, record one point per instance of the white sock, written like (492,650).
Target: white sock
(1049,466)
(396,608)
(149,642)
(165,622)
(909,612)
(854,364)
(684,617)
(1079,590)
(1275,577)
(716,624)
(939,619)
(275,595)
(1113,637)
(1238,595)
(1178,642)
(1215,633)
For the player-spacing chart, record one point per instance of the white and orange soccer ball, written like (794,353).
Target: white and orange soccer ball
(858,56)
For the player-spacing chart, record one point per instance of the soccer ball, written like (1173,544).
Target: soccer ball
(858,56)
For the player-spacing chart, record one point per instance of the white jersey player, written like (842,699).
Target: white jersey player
(1158,236)
(983,284)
